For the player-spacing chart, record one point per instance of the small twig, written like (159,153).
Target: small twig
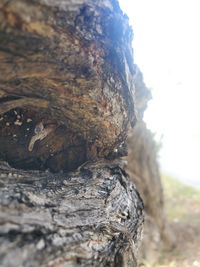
(40,133)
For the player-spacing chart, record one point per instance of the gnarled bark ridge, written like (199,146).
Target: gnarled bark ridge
(90,217)
(67,65)
(66,98)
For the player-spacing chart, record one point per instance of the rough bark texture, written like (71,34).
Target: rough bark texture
(66,98)
(144,171)
(91,217)
(66,70)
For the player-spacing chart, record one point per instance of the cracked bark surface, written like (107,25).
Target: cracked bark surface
(90,217)
(66,99)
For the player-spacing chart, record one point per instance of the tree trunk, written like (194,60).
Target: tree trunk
(144,171)
(66,102)
(66,71)
(90,217)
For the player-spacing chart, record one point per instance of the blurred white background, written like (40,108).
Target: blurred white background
(167,50)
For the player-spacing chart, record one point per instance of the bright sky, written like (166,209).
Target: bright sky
(167,50)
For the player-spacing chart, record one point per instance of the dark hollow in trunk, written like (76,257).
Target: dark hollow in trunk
(66,82)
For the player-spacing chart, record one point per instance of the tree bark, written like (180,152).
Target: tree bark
(66,99)
(90,217)
(66,71)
